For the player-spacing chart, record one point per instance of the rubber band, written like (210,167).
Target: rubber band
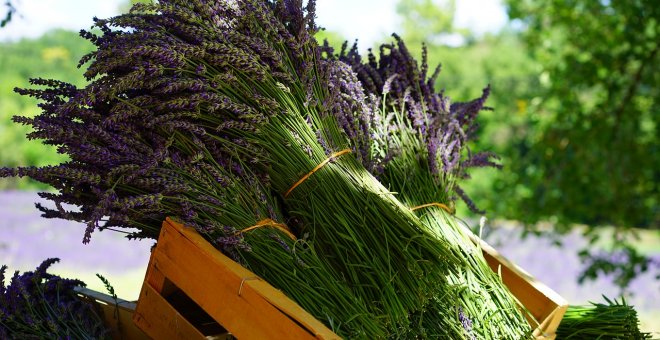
(267,222)
(434,204)
(322,164)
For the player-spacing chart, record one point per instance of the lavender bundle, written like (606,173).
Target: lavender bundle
(426,137)
(45,306)
(140,172)
(444,128)
(614,320)
(285,73)
(117,131)
(244,84)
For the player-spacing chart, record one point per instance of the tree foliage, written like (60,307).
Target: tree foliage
(590,153)
(10,10)
(425,21)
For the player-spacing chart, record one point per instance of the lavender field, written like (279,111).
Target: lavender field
(26,239)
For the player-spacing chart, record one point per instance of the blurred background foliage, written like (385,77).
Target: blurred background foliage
(9,13)
(575,119)
(593,141)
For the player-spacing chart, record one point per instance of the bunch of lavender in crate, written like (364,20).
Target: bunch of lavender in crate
(417,147)
(223,114)
(145,155)
(45,306)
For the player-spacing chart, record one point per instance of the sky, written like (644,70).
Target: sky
(369,21)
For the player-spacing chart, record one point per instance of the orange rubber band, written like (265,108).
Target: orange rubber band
(326,161)
(267,222)
(434,204)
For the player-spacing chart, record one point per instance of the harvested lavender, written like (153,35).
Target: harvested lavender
(157,171)
(120,136)
(213,111)
(45,306)
(395,76)
(614,320)
(424,139)
(294,135)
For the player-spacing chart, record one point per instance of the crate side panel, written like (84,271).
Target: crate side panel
(159,320)
(263,289)
(214,285)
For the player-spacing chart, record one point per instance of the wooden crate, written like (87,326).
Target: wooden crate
(193,291)
(546,308)
(117,315)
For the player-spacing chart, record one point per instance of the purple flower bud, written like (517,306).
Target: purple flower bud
(466,323)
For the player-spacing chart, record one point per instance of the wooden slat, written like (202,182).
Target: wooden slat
(158,319)
(548,328)
(157,281)
(214,282)
(117,316)
(263,288)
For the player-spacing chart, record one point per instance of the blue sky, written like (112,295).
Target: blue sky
(367,20)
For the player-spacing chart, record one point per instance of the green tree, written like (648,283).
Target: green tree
(589,151)
(590,154)
(426,21)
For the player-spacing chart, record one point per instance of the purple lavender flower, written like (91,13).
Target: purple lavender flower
(445,128)
(41,305)
(466,323)
(281,242)
(355,111)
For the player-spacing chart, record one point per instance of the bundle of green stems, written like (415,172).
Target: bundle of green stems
(241,217)
(221,114)
(378,246)
(610,320)
(484,306)
(406,142)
